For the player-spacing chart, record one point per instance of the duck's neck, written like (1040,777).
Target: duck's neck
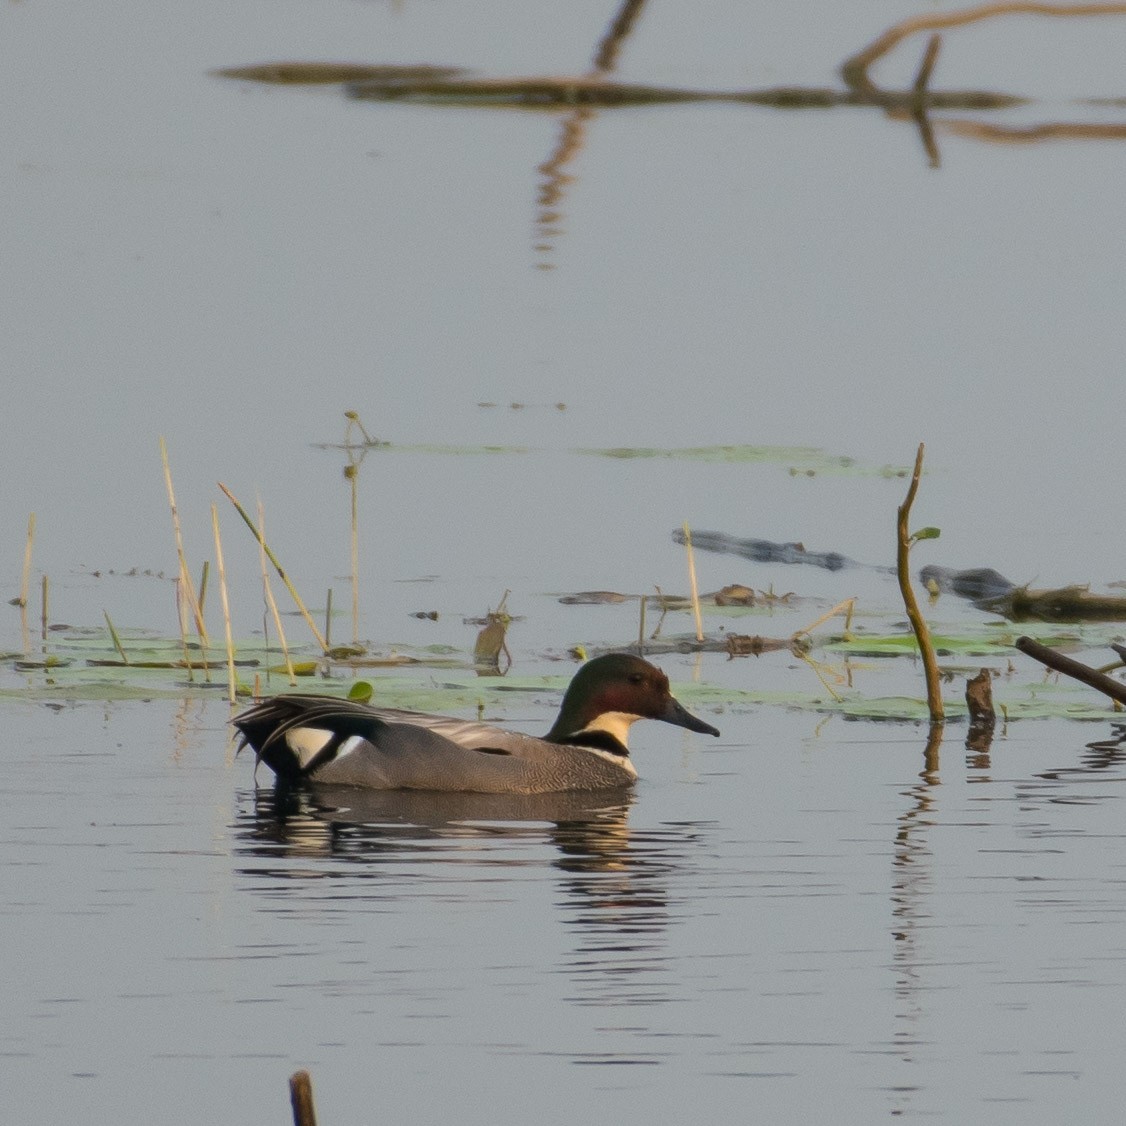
(608,731)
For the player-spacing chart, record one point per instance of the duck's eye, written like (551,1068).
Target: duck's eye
(635,678)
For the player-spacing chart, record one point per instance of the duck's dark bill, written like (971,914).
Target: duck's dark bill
(678,714)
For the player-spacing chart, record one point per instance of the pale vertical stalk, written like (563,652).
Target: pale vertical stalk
(182,619)
(328,619)
(188,589)
(271,602)
(695,591)
(354,479)
(225,603)
(25,581)
(641,629)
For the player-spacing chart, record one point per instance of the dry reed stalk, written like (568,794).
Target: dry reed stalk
(231,686)
(846,605)
(914,615)
(354,481)
(25,579)
(277,567)
(204,573)
(271,602)
(695,590)
(43,617)
(182,619)
(328,619)
(201,629)
(641,628)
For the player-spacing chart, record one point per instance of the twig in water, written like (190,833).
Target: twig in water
(847,605)
(918,624)
(1115,689)
(301,1099)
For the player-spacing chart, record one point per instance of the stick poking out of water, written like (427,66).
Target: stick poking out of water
(301,1099)
(914,615)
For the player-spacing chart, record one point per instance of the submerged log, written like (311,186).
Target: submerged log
(1059,604)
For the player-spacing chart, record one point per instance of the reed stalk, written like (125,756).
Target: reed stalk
(204,574)
(116,640)
(43,617)
(182,620)
(328,619)
(271,602)
(232,689)
(695,590)
(201,629)
(914,615)
(277,567)
(25,582)
(354,481)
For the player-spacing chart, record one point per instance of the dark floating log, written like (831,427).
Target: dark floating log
(1115,689)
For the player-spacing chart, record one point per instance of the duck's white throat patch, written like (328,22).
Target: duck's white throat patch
(615,724)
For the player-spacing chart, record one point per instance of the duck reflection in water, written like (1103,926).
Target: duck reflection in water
(617,887)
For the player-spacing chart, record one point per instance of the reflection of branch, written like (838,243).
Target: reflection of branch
(573,131)
(854,70)
(606,57)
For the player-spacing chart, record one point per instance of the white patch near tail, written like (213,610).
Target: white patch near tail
(306,743)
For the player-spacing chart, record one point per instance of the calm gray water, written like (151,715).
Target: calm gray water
(787,920)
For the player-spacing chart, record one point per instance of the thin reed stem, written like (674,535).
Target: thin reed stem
(116,640)
(694,591)
(277,567)
(232,689)
(201,629)
(271,602)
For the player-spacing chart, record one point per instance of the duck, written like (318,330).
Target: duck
(328,740)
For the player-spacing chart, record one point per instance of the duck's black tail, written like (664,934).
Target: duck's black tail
(295,734)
